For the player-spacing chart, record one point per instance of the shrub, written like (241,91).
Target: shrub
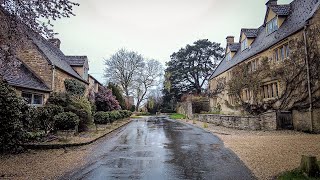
(74,87)
(43,118)
(133,108)
(125,113)
(12,132)
(82,108)
(101,117)
(105,101)
(66,121)
(60,99)
(118,94)
(114,115)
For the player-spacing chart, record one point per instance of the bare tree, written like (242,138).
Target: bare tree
(148,77)
(122,67)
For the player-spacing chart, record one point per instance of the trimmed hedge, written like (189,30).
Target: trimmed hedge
(101,117)
(66,121)
(110,116)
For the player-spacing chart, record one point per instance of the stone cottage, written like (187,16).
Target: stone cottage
(42,69)
(275,41)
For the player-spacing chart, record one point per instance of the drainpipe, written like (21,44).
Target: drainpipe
(53,75)
(308,74)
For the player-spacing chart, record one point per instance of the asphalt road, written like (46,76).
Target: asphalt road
(160,148)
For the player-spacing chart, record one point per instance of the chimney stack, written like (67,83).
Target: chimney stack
(56,42)
(271,2)
(230,40)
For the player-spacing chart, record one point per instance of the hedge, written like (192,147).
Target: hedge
(102,117)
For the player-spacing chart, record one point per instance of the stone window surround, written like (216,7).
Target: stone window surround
(33,94)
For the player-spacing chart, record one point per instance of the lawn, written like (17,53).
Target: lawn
(177,116)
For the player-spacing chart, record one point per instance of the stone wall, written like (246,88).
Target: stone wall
(59,79)
(266,121)
(185,108)
(301,120)
(36,61)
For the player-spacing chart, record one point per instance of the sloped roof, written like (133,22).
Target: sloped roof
(281,10)
(22,76)
(250,33)
(54,55)
(76,60)
(95,79)
(234,47)
(301,11)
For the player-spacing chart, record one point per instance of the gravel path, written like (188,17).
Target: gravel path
(41,164)
(268,153)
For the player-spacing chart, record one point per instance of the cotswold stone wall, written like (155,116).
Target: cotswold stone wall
(301,120)
(266,121)
(185,108)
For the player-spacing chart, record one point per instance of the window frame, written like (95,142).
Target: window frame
(32,98)
(244,44)
(272,25)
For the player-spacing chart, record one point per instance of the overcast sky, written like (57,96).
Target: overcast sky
(154,28)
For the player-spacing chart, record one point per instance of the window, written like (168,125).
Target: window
(232,99)
(253,65)
(228,56)
(246,95)
(244,44)
(281,53)
(269,90)
(33,99)
(272,25)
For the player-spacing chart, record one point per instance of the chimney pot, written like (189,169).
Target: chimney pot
(230,39)
(56,42)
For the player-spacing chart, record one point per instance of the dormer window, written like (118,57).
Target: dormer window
(244,44)
(228,56)
(272,25)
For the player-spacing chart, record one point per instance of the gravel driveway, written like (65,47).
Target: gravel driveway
(268,153)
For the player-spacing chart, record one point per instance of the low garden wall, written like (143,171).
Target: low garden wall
(266,121)
(301,120)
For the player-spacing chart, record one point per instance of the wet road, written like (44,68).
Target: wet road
(162,149)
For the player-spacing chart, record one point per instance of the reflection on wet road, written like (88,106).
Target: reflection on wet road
(162,149)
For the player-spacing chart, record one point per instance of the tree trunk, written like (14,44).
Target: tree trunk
(309,165)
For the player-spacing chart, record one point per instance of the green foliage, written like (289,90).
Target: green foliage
(133,108)
(74,87)
(190,68)
(12,132)
(114,115)
(82,108)
(296,174)
(177,116)
(111,116)
(66,121)
(118,94)
(101,117)
(43,117)
(60,99)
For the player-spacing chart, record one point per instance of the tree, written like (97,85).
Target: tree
(122,68)
(105,101)
(18,16)
(118,94)
(148,77)
(190,68)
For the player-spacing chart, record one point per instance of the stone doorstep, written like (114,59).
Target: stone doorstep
(59,145)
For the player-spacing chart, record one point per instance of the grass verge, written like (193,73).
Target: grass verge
(296,174)
(177,116)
